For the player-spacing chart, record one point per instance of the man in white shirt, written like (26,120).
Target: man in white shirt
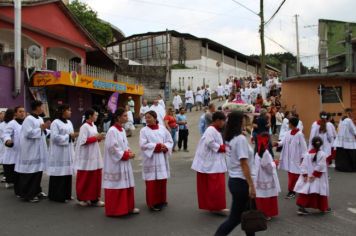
(161,102)
(161,113)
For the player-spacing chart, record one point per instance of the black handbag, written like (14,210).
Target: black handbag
(253,220)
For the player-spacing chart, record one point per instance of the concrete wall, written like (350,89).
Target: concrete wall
(304,95)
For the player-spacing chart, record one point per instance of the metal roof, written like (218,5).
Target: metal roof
(325,76)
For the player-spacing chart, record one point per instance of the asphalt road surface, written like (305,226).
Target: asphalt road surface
(182,216)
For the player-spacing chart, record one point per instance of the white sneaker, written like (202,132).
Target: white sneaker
(332,165)
(135,211)
(223,212)
(3,179)
(99,204)
(9,185)
(83,203)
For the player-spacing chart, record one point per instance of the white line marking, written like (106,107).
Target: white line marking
(352,210)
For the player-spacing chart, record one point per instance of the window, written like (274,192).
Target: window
(52,64)
(332,94)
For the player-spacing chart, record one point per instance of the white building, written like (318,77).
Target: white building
(192,61)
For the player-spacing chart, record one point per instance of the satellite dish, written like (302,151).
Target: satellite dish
(34,52)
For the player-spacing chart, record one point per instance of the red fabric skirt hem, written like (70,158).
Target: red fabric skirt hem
(156,192)
(119,202)
(292,180)
(88,185)
(268,205)
(313,200)
(211,191)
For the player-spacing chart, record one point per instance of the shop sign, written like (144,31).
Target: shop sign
(45,78)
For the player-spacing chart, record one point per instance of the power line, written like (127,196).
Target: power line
(242,5)
(275,13)
(280,45)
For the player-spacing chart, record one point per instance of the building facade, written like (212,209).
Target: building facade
(337,46)
(71,66)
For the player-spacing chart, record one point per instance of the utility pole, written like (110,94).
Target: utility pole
(262,37)
(167,87)
(17,36)
(297,37)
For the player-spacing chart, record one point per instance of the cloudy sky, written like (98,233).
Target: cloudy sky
(227,22)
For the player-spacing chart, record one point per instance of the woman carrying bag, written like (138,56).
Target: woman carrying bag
(240,164)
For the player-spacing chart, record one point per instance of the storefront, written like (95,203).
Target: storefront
(82,92)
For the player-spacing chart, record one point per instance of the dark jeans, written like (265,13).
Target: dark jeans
(206,102)
(240,197)
(183,137)
(188,106)
(273,124)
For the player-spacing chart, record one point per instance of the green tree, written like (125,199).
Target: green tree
(101,31)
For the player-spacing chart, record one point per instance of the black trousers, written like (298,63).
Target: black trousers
(345,160)
(240,197)
(9,173)
(60,188)
(273,124)
(183,137)
(29,185)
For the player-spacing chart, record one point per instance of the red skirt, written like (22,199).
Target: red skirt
(211,191)
(119,202)
(292,180)
(156,192)
(268,205)
(88,185)
(313,200)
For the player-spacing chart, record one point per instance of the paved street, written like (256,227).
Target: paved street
(181,217)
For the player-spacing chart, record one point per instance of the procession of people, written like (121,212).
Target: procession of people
(225,148)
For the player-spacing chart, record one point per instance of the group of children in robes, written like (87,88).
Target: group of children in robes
(306,167)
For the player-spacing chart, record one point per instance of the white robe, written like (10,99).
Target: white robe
(199,96)
(266,180)
(161,113)
(12,132)
(220,91)
(227,90)
(319,185)
(189,97)
(327,137)
(294,147)
(155,166)
(207,158)
(34,153)
(87,156)
(300,126)
(346,137)
(161,102)
(117,173)
(61,151)
(284,129)
(2,146)
(245,96)
(177,102)
(143,111)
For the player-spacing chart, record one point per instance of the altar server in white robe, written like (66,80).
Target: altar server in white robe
(293,148)
(161,113)
(118,179)
(313,184)
(2,129)
(323,129)
(245,95)
(210,164)
(177,102)
(220,92)
(345,144)
(11,137)
(156,145)
(60,163)
(266,180)
(33,156)
(88,162)
(8,161)
(189,99)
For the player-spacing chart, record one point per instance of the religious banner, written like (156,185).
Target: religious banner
(39,94)
(112,103)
